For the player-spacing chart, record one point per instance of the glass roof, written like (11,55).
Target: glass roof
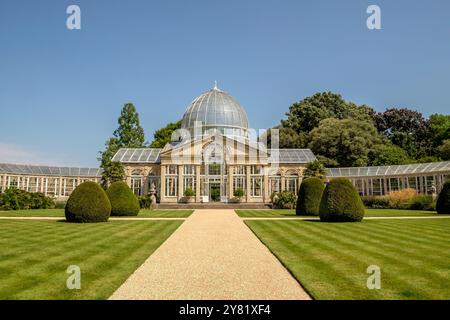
(142,155)
(49,170)
(215,108)
(420,168)
(290,156)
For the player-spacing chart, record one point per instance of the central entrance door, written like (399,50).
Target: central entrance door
(214,192)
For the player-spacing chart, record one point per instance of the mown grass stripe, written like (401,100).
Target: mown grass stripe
(107,254)
(337,250)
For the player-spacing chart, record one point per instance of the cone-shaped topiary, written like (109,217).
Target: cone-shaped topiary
(443,201)
(88,203)
(309,196)
(123,200)
(341,202)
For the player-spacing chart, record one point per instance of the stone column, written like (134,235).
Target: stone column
(163,184)
(266,195)
(282,181)
(145,184)
(230,182)
(60,187)
(128,177)
(247,183)
(4,183)
(197,183)
(180,181)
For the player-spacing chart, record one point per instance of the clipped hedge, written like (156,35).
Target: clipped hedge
(309,196)
(341,202)
(443,201)
(376,202)
(16,199)
(88,203)
(123,201)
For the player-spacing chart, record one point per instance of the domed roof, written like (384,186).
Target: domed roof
(216,109)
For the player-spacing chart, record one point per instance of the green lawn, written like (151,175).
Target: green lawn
(60,213)
(277,213)
(34,256)
(330,259)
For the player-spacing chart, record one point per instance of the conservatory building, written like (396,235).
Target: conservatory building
(215,158)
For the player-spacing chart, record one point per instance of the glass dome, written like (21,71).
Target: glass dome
(216,111)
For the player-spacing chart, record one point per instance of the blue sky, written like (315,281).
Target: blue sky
(61,91)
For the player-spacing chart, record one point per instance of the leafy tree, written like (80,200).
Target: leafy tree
(315,169)
(388,154)
(426,159)
(405,128)
(287,138)
(440,128)
(164,135)
(306,115)
(129,134)
(347,141)
(444,150)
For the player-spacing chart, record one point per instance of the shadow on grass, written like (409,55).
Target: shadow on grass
(75,222)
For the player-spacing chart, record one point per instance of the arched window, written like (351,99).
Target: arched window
(291,181)
(274,182)
(137,182)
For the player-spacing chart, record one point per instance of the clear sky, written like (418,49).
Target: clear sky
(61,90)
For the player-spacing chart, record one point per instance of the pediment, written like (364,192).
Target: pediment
(235,151)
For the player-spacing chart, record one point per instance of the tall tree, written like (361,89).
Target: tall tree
(305,115)
(388,154)
(129,134)
(440,128)
(287,138)
(315,169)
(345,143)
(444,150)
(164,135)
(405,128)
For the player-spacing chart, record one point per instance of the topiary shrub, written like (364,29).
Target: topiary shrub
(341,202)
(309,196)
(443,201)
(123,201)
(88,203)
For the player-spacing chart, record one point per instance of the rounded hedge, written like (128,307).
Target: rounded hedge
(88,203)
(341,202)
(123,200)
(443,201)
(309,196)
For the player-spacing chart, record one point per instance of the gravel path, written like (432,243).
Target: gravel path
(212,255)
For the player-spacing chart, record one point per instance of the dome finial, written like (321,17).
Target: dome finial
(215,85)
